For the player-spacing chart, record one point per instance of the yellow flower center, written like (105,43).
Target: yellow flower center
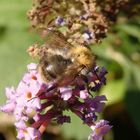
(34,77)
(29,95)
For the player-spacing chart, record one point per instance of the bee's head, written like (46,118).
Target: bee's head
(83,56)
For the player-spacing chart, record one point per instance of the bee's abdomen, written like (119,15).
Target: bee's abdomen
(54,66)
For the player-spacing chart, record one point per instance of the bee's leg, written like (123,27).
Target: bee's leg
(85,79)
(98,78)
(88,89)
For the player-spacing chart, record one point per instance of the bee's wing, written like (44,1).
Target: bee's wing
(54,39)
(57,40)
(69,75)
(56,44)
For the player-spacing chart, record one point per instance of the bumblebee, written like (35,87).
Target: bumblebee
(60,61)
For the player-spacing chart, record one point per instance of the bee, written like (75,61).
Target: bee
(60,61)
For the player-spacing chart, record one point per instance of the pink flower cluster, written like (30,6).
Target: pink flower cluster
(43,102)
(20,103)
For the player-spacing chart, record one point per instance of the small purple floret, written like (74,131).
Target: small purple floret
(99,130)
(60,21)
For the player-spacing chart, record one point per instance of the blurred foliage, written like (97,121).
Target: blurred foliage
(119,53)
(14,40)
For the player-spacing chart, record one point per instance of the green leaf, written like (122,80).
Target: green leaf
(14,40)
(130,30)
(136,74)
(114,91)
